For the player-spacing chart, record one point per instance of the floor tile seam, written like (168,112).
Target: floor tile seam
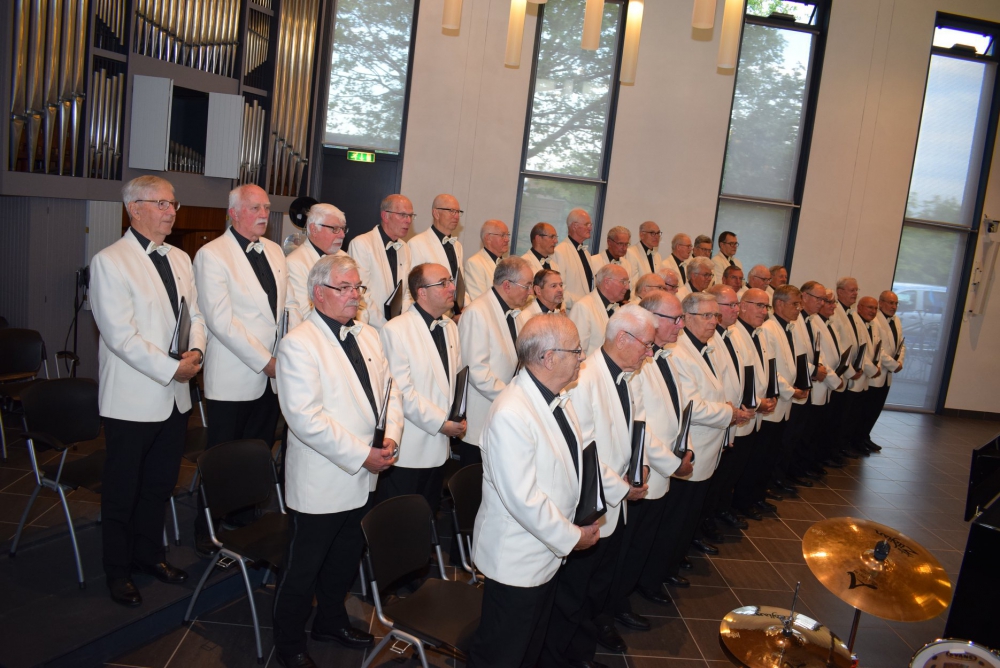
(201,620)
(696,643)
(187,632)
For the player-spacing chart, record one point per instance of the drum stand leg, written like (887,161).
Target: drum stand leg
(854,629)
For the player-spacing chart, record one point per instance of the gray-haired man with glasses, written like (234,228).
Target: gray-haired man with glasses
(326,226)
(384,258)
(480,266)
(439,243)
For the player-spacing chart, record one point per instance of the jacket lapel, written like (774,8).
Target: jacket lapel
(249,278)
(553,433)
(347,370)
(134,247)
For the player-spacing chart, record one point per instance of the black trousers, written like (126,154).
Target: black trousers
(584,585)
(396,481)
(730,470)
(237,420)
(140,474)
(468,454)
(851,412)
(322,560)
(684,503)
(874,403)
(513,624)
(760,467)
(799,448)
(829,429)
(644,518)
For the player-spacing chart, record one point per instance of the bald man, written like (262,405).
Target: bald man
(439,243)
(383,258)
(591,313)
(890,330)
(759,278)
(680,253)
(644,257)
(617,246)
(573,256)
(479,268)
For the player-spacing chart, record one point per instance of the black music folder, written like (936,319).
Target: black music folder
(638,453)
(859,359)
(684,430)
(459,292)
(878,353)
(282,330)
(899,349)
(592,504)
(458,406)
(802,379)
(379,435)
(749,387)
(772,379)
(394,304)
(844,362)
(180,341)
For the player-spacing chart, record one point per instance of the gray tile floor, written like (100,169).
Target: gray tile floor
(916,485)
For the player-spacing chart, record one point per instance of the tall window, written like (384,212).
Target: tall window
(565,160)
(944,204)
(769,126)
(371,56)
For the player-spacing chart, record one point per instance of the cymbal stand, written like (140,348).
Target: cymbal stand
(880,553)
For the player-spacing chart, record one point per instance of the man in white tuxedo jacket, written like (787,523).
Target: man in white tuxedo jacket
(680,253)
(647,285)
(332,378)
(644,257)
(547,287)
(543,244)
(136,288)
(384,258)
(830,429)
(864,319)
(618,240)
(890,331)
(573,256)
(733,277)
(845,330)
(759,278)
(480,266)
(488,333)
(726,257)
(700,273)
(590,315)
(438,243)
(671,279)
(823,394)
(532,450)
(325,230)
(606,407)
(424,357)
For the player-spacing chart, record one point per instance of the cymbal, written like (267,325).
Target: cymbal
(756,635)
(906,585)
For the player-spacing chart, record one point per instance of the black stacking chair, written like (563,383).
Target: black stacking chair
(466,487)
(237,475)
(441,615)
(22,357)
(57,414)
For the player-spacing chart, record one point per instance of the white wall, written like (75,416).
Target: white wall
(466,127)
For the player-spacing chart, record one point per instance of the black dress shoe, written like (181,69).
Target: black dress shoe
(302,660)
(633,621)
(730,518)
(847,454)
(124,592)
(577,663)
(752,513)
(770,494)
(813,475)
(163,572)
(834,463)
(204,547)
(677,581)
(686,564)
(819,470)
(704,547)
(348,637)
(782,486)
(765,507)
(873,446)
(608,638)
(658,597)
(798,482)
(710,531)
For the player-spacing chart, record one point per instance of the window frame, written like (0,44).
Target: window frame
(813,81)
(597,216)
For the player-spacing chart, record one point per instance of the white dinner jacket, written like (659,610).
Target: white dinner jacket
(662,424)
(670,263)
(427,392)
(330,420)
(533,309)
(479,269)
(777,343)
(820,393)
(300,261)
(136,323)
(426,247)
(242,329)
(732,374)
(639,262)
(869,364)
(524,528)
(536,264)
(373,266)
(591,319)
(889,363)
(602,420)
(710,415)
(845,334)
(489,352)
(721,262)
(601,259)
(743,341)
(575,285)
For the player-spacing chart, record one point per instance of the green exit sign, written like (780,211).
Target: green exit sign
(360,156)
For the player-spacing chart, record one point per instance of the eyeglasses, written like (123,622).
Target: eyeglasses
(361,289)
(676,319)
(526,287)
(446,282)
(647,346)
(655,234)
(704,248)
(683,246)
(729,304)
(762,280)
(505,235)
(734,244)
(339,229)
(455,212)
(671,286)
(761,305)
(162,204)
(575,351)
(618,243)
(548,236)
(707,316)
(403,214)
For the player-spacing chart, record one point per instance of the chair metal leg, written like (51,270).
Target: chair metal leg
(24,519)
(440,560)
(166,541)
(177,526)
(3,437)
(361,573)
(377,649)
(253,608)
(420,651)
(201,584)
(72,537)
(194,482)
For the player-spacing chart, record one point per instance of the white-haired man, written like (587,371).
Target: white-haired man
(618,241)
(532,448)
(438,243)
(383,258)
(573,256)
(759,278)
(671,279)
(890,330)
(326,226)
(480,266)
(647,285)
(606,407)
(844,328)
(590,315)
(332,378)
(680,253)
(644,257)
(136,288)
(700,273)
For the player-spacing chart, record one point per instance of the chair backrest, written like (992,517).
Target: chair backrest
(21,351)
(235,475)
(398,532)
(65,408)
(466,488)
